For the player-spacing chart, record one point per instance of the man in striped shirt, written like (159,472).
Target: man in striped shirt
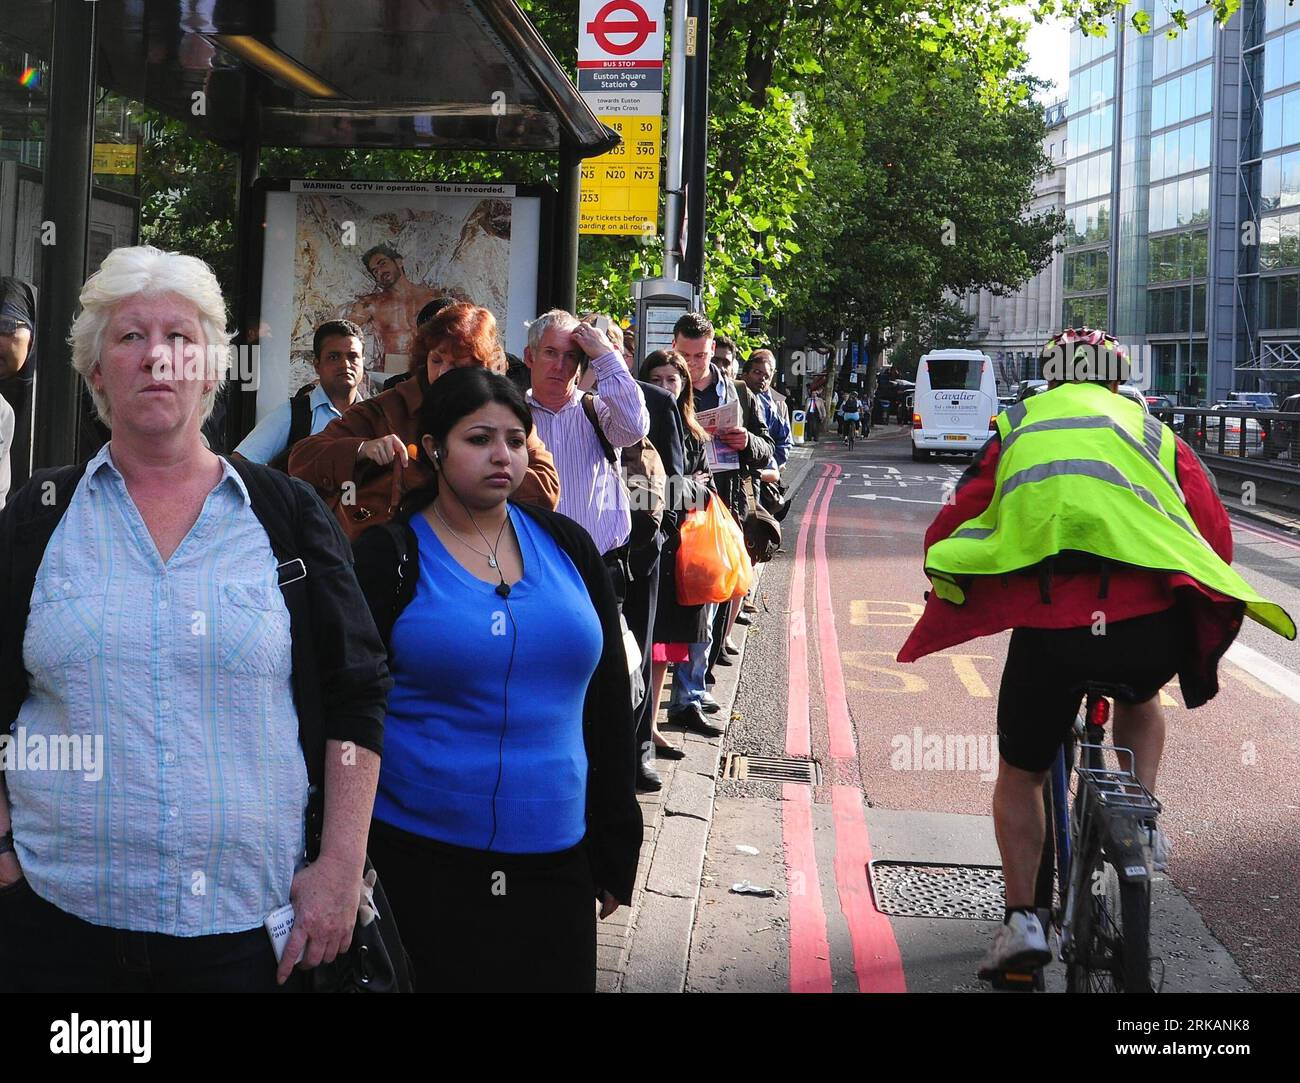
(559,350)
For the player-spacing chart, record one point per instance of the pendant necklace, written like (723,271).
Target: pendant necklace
(492,556)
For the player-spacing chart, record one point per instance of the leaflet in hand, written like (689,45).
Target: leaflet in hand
(720,457)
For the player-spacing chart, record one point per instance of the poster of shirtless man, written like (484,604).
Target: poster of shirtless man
(378,260)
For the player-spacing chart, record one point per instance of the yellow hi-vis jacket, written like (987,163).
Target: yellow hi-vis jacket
(1084,470)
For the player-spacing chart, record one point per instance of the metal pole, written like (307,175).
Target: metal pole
(673,151)
(697,145)
(249,243)
(65,209)
(566,277)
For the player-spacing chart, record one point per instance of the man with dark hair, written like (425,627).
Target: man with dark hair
(339,360)
(757,374)
(693,339)
(725,355)
(392,311)
(17,366)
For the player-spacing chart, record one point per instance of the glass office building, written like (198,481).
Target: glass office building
(1183,197)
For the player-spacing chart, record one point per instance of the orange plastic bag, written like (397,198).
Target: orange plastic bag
(707,568)
(743,569)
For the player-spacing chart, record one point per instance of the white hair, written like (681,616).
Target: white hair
(556,318)
(145,271)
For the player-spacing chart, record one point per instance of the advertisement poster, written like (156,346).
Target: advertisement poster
(376,253)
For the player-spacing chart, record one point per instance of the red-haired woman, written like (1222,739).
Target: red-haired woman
(361,463)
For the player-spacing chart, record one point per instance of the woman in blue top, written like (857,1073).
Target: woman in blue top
(506,807)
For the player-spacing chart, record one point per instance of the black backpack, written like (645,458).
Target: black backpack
(299,426)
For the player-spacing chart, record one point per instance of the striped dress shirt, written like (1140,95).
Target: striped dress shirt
(180,673)
(591,489)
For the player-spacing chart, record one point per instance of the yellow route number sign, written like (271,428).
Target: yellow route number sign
(116,158)
(620,189)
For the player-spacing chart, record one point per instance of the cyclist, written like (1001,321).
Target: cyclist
(1094,532)
(850,414)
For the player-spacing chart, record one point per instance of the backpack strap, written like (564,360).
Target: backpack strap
(589,408)
(299,429)
(274,502)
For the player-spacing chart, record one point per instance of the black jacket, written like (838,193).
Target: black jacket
(614,828)
(730,483)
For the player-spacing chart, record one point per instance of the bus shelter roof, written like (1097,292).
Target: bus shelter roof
(389,74)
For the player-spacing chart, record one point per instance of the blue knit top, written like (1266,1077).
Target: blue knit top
(483,743)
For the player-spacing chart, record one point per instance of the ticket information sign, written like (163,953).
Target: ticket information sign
(620,189)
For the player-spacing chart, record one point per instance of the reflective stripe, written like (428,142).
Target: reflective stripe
(1102,472)
(1016,413)
(1152,432)
(976,532)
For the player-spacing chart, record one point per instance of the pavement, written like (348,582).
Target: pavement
(644,948)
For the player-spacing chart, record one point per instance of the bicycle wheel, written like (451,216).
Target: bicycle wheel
(1110,947)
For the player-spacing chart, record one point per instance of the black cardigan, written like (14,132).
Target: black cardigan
(614,829)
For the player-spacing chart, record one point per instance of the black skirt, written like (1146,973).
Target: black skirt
(474,921)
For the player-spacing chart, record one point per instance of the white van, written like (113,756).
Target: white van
(955,403)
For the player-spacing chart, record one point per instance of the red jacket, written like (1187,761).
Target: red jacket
(996,603)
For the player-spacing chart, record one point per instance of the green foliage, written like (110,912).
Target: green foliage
(943,327)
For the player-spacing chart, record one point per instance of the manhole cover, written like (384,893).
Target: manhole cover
(910,890)
(769,769)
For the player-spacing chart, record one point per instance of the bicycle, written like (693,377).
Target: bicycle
(850,430)
(1094,880)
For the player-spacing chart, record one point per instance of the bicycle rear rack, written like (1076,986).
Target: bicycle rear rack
(1117,792)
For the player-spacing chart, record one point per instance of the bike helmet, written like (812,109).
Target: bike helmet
(1085,354)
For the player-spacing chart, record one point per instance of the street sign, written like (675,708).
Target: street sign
(114,158)
(620,75)
(619,33)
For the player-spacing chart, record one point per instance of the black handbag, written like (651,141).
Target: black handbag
(774,500)
(375,962)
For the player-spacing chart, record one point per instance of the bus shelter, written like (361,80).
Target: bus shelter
(248,74)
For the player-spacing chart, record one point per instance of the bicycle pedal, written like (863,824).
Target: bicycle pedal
(1017,981)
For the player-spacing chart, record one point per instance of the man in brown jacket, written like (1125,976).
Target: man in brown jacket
(361,464)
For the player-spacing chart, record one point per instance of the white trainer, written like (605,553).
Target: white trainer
(1161,848)
(1020,944)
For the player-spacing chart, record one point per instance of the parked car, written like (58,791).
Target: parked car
(1232,430)
(1159,402)
(1252,400)
(1282,438)
(1029,387)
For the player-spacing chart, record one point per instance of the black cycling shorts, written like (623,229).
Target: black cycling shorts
(1047,668)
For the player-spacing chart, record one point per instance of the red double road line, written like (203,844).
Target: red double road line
(876,960)
(798,734)
(842,746)
(810,951)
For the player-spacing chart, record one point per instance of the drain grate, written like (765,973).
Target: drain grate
(770,769)
(937,890)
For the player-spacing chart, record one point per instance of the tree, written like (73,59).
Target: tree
(943,327)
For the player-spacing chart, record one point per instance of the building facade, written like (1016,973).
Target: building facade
(1012,329)
(1183,199)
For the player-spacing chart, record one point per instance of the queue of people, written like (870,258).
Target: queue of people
(422,656)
